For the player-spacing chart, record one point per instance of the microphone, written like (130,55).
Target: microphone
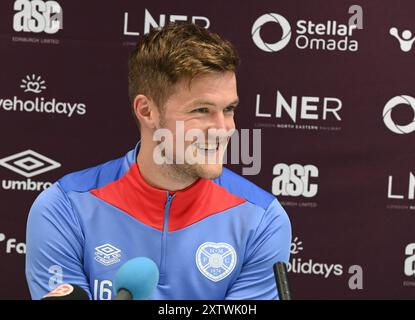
(280,273)
(136,279)
(67,291)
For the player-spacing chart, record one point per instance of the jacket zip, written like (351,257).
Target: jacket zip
(164,236)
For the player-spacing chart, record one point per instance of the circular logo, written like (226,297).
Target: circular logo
(216,260)
(286,32)
(387,114)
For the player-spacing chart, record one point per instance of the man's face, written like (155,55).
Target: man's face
(206,106)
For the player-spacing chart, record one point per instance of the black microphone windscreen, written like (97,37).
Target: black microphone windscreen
(67,292)
(280,272)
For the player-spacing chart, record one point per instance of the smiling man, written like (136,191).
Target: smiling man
(212,233)
(204,104)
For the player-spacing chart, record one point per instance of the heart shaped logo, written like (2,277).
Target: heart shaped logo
(216,260)
(33,83)
(33,87)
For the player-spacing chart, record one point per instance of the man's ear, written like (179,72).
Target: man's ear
(146,111)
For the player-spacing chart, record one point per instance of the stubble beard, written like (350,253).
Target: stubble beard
(186,171)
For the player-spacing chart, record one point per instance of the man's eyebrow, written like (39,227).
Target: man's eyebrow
(210,103)
(203,102)
(235,102)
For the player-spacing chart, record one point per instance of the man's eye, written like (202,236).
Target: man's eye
(200,110)
(229,109)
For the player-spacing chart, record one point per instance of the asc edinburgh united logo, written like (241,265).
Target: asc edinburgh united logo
(216,260)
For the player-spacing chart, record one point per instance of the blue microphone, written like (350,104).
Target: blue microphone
(136,279)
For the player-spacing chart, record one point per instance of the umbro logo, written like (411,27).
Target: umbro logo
(107,254)
(29,163)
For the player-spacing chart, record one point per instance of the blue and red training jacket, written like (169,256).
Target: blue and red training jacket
(216,239)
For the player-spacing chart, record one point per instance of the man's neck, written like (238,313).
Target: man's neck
(159,176)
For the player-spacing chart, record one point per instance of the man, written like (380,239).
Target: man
(212,233)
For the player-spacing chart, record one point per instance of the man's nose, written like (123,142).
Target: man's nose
(219,121)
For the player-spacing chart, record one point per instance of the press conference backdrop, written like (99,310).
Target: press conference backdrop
(335,105)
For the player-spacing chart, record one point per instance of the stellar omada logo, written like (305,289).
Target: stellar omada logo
(330,35)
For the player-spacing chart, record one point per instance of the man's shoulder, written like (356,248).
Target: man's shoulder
(243,188)
(97,176)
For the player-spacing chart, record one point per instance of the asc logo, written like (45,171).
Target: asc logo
(37,16)
(216,260)
(294,180)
